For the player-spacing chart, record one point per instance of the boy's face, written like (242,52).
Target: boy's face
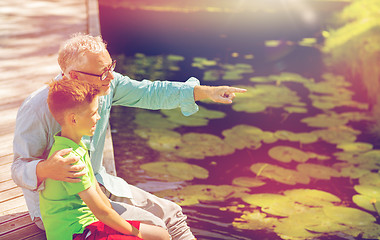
(86,118)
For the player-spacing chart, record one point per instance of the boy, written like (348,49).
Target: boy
(80,210)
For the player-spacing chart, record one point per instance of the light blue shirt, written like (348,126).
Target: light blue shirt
(35,129)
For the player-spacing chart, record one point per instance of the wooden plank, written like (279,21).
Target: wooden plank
(5,159)
(10,217)
(14,205)
(20,228)
(10,194)
(6,167)
(5,176)
(6,185)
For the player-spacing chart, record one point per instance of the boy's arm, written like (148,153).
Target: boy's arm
(105,213)
(102,195)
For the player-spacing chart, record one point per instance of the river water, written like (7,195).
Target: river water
(229,39)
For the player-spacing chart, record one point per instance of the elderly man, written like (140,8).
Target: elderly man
(85,58)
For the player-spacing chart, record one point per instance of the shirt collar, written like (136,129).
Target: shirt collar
(79,148)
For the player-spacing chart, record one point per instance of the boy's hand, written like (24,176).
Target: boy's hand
(58,168)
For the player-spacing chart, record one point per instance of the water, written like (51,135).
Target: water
(218,36)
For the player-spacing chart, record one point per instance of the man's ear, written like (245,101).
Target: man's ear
(73,75)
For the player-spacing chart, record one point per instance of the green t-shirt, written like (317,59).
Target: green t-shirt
(63,212)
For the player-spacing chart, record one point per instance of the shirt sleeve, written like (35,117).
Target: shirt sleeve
(75,188)
(30,143)
(155,95)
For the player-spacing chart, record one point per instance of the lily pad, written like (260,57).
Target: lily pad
(274,204)
(312,197)
(337,135)
(250,107)
(287,228)
(317,171)
(180,170)
(263,96)
(355,147)
(368,203)
(243,136)
(279,174)
(255,220)
(150,119)
(194,194)
(327,226)
(287,154)
(295,109)
(370,179)
(211,75)
(349,216)
(248,182)
(325,120)
(198,119)
(282,77)
(200,145)
(353,172)
(368,190)
(369,231)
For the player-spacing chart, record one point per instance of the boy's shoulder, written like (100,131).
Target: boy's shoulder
(64,143)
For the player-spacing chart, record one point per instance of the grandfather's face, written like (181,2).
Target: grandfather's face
(97,64)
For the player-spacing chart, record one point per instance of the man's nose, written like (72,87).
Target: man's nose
(110,76)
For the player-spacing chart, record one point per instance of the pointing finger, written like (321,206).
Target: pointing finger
(237,90)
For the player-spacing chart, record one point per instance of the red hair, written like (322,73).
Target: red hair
(66,94)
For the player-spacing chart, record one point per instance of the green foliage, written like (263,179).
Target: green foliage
(354,48)
(141,67)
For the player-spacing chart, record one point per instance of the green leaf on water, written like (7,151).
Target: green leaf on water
(255,220)
(279,174)
(287,154)
(248,182)
(148,119)
(180,170)
(366,202)
(337,135)
(312,197)
(370,179)
(317,171)
(355,147)
(244,136)
(368,190)
(194,194)
(348,216)
(274,204)
(200,145)
(198,119)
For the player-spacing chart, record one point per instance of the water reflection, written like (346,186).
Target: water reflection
(293,101)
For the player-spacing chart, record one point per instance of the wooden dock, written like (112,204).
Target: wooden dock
(30,35)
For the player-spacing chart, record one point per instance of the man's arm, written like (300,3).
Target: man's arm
(220,94)
(35,127)
(167,94)
(59,168)
(105,213)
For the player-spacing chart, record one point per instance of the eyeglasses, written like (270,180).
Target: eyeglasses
(104,75)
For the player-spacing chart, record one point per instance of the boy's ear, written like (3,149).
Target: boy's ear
(70,119)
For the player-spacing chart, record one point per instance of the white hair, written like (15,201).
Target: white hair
(72,54)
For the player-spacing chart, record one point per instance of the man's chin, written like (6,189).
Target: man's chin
(104,91)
